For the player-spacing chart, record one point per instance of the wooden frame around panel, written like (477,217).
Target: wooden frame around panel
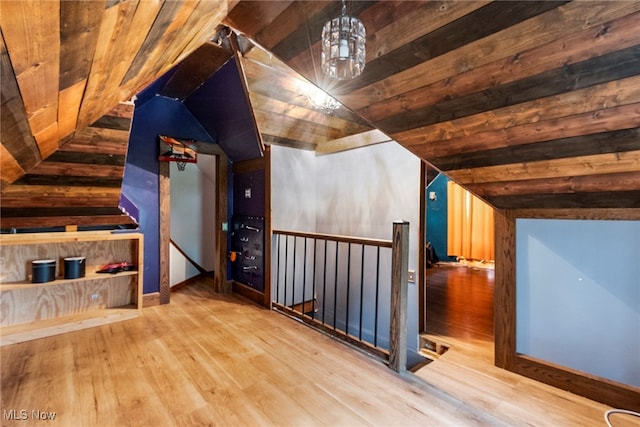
(268,232)
(164,239)
(164,232)
(422,241)
(595,388)
(222,221)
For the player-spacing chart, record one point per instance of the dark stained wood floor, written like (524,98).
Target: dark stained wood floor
(460,302)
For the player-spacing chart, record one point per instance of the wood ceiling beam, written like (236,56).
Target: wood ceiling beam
(352,141)
(195,69)
(608,163)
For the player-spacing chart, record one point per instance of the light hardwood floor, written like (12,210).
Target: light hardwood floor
(210,359)
(460,314)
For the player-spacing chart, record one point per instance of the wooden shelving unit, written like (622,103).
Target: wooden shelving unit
(35,310)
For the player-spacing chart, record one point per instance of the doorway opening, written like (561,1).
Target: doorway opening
(193,204)
(458,284)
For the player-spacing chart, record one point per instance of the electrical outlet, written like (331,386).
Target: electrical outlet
(412,276)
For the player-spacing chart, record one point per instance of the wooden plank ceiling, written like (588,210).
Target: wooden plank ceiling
(284,110)
(65,66)
(527,104)
(79,184)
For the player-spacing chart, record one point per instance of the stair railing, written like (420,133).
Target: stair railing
(352,288)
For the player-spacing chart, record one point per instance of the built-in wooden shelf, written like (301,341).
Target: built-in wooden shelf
(24,284)
(35,310)
(60,325)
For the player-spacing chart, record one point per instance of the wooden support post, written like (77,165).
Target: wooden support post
(268,233)
(399,285)
(504,291)
(164,200)
(222,221)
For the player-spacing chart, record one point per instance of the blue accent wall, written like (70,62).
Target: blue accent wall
(154,88)
(437,217)
(157,115)
(221,105)
(218,112)
(242,207)
(255,183)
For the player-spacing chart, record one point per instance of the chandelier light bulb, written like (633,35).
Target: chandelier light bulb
(344,49)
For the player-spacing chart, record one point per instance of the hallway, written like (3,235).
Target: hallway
(460,308)
(460,302)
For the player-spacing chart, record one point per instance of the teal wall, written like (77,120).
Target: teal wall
(436,212)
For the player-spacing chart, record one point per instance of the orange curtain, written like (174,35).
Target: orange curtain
(470,227)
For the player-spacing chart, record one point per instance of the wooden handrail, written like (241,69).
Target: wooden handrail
(337,238)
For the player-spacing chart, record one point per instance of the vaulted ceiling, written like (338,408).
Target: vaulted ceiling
(527,104)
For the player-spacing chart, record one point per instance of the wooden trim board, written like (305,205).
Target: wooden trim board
(506,356)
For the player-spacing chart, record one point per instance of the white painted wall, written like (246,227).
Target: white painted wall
(578,295)
(293,189)
(193,210)
(359,193)
(181,268)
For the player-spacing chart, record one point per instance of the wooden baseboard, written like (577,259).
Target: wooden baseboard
(226,287)
(248,293)
(151,299)
(305,307)
(372,350)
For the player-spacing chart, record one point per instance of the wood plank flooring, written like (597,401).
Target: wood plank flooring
(460,302)
(211,359)
(460,309)
(460,315)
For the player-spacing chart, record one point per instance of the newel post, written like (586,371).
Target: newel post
(399,285)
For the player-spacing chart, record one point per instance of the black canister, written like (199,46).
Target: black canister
(43,270)
(74,267)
